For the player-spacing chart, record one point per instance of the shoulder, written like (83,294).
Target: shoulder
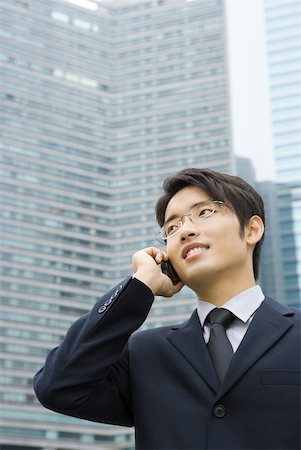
(285,310)
(281,313)
(159,335)
(151,334)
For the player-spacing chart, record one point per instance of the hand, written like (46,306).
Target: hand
(145,268)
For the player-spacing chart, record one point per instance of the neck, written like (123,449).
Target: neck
(219,293)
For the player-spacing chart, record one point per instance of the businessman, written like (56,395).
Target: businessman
(229,377)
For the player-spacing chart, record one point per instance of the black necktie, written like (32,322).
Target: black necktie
(219,346)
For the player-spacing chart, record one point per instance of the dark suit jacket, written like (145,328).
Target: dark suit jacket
(162,381)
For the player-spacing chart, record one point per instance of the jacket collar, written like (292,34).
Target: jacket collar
(270,323)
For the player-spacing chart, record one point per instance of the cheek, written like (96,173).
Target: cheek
(228,230)
(173,254)
(170,250)
(233,245)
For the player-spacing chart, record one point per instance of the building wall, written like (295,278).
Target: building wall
(99,106)
(283,19)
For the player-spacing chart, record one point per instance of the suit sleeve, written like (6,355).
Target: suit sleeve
(87,376)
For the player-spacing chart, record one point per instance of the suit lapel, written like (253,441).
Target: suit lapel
(267,327)
(188,340)
(270,323)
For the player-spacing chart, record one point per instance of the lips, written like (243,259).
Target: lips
(194,249)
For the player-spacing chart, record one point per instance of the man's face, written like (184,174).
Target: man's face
(210,250)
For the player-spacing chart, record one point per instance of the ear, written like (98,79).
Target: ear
(254,230)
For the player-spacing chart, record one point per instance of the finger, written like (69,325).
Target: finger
(177,287)
(173,290)
(152,251)
(159,257)
(165,256)
(156,253)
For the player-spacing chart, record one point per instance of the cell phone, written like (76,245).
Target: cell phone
(167,269)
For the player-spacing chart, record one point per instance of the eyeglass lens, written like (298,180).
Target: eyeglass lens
(197,213)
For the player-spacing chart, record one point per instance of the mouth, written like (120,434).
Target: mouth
(194,249)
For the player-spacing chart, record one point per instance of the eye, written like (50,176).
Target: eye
(205,211)
(171,228)
(202,211)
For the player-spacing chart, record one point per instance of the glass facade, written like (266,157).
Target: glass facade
(283,18)
(99,105)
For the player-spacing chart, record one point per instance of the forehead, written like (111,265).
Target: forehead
(183,200)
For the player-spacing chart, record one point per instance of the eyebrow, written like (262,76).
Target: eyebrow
(175,216)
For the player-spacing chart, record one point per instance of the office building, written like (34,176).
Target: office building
(100,101)
(283,36)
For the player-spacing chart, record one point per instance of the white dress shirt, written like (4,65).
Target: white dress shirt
(243,306)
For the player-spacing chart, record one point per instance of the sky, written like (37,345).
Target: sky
(249,85)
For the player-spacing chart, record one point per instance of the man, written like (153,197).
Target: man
(209,383)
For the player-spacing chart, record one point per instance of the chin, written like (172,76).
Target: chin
(192,278)
(199,275)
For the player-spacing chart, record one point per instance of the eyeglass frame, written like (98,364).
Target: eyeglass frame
(159,236)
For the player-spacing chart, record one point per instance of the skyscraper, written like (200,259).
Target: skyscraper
(100,101)
(283,18)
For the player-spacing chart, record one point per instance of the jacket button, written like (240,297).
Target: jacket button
(101,309)
(219,411)
(114,295)
(108,302)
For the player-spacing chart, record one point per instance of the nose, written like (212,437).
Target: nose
(189,228)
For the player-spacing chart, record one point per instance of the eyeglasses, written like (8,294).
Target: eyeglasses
(199,212)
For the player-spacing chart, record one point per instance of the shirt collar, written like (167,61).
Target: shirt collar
(242,305)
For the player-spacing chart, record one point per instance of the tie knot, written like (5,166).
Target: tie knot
(221,316)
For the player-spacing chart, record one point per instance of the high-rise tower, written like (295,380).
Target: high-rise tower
(101,101)
(283,18)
